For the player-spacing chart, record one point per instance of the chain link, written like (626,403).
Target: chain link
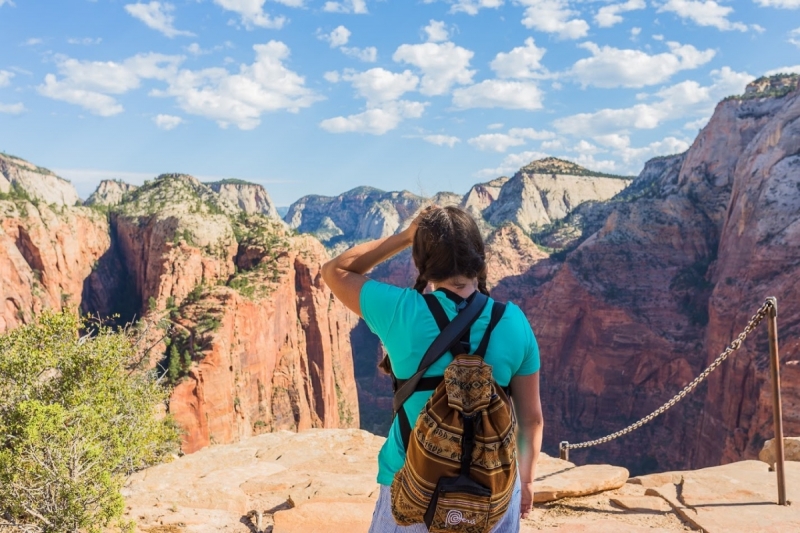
(732,347)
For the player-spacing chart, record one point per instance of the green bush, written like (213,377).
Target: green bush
(75,419)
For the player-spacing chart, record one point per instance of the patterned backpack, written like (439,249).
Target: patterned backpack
(461,460)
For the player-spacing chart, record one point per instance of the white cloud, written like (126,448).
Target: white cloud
(367,55)
(471,7)
(500,142)
(6,2)
(499,93)
(89,83)
(794,37)
(511,163)
(167,122)
(635,31)
(521,62)
(33,41)
(338,37)
(442,65)
(5,78)
(377,120)
(703,13)
(495,126)
(380,85)
(358,7)
(252,13)
(695,125)
(86,41)
(607,16)
(687,98)
(441,140)
(157,16)
(12,109)
(553,16)
(436,31)
(615,67)
(292,3)
(784,70)
(785,4)
(196,50)
(240,99)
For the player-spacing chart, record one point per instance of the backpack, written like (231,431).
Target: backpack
(461,463)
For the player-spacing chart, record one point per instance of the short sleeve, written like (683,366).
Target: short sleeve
(379,303)
(530,361)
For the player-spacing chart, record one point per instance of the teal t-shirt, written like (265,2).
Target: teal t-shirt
(406,327)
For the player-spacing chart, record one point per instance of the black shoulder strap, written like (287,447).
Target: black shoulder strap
(497,313)
(441,345)
(436,309)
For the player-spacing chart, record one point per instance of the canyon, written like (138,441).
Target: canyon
(632,287)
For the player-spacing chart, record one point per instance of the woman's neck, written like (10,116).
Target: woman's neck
(464,287)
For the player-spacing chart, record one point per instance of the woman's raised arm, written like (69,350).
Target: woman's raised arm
(344,274)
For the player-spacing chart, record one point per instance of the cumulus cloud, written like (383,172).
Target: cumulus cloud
(5,78)
(252,13)
(378,85)
(158,16)
(228,98)
(784,70)
(521,62)
(358,7)
(436,31)
(500,142)
(615,67)
(608,16)
(472,7)
(240,99)
(377,120)
(499,93)
(794,37)
(785,4)
(12,109)
(6,2)
(167,122)
(511,163)
(340,36)
(441,140)
(442,65)
(553,16)
(684,99)
(89,84)
(703,13)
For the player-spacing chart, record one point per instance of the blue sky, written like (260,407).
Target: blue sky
(316,96)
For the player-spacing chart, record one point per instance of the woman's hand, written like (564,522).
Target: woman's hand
(526,504)
(411,230)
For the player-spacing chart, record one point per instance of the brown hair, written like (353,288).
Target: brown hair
(448,243)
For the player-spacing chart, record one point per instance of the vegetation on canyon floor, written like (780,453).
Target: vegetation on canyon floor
(75,419)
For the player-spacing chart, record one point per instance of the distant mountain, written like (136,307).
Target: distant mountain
(21,178)
(250,197)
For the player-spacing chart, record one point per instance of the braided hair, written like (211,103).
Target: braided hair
(447,244)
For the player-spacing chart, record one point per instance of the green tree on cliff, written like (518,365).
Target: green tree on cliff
(75,419)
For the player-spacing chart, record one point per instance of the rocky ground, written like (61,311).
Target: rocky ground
(323,480)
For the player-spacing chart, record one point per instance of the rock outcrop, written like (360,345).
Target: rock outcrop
(110,193)
(547,190)
(37,183)
(681,262)
(249,197)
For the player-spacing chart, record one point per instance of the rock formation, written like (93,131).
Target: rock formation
(240,321)
(681,262)
(110,193)
(37,183)
(249,197)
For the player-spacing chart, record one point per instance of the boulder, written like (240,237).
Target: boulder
(579,481)
(791,450)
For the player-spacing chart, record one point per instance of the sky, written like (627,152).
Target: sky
(320,96)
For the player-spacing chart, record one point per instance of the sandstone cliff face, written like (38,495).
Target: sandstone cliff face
(249,197)
(37,182)
(110,193)
(533,198)
(49,257)
(255,341)
(682,260)
(482,195)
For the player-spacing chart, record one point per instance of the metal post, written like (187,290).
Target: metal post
(563,450)
(777,412)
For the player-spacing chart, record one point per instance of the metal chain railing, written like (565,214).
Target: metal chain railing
(732,347)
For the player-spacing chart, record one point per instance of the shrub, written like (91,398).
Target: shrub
(75,419)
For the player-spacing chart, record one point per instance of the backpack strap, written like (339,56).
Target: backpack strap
(443,343)
(436,309)
(497,313)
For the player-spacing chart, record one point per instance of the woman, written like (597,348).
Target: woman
(448,251)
